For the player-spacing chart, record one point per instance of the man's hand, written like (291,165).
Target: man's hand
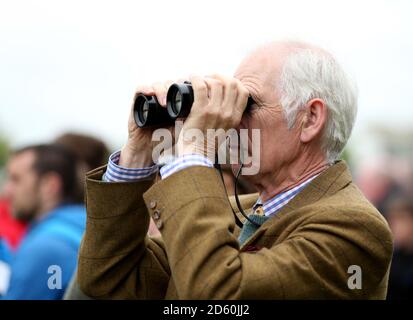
(137,152)
(219,103)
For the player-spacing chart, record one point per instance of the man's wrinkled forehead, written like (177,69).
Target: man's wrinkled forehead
(269,59)
(264,65)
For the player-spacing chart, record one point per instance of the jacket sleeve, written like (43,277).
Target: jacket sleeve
(117,259)
(206,261)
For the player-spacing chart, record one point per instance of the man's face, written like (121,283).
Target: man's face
(22,186)
(279,145)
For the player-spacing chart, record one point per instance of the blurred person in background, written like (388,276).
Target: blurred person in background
(42,188)
(400,217)
(376,180)
(91,153)
(4,267)
(11,229)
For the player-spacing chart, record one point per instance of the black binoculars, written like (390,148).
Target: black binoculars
(149,113)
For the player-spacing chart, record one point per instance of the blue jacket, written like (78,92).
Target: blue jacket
(4,251)
(4,266)
(47,256)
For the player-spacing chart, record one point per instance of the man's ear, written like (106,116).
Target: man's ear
(314,120)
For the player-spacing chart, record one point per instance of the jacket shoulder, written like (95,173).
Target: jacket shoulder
(350,203)
(357,226)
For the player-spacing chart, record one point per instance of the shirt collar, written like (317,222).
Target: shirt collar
(271,206)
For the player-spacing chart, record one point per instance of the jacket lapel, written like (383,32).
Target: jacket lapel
(327,183)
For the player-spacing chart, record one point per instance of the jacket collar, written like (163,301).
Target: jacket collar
(330,181)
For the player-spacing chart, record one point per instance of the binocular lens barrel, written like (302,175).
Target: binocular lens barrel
(149,113)
(179,100)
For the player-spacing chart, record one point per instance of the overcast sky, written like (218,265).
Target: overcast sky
(73,65)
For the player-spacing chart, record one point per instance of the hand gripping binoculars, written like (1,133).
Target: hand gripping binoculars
(179,99)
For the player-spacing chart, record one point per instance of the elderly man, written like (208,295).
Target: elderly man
(312,234)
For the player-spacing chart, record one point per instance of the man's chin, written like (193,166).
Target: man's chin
(247,170)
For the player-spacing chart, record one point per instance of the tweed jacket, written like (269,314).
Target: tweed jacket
(310,249)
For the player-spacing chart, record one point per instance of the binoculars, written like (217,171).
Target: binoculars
(149,113)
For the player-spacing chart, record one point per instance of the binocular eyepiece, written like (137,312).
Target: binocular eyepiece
(179,99)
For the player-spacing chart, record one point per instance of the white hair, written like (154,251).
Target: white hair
(312,73)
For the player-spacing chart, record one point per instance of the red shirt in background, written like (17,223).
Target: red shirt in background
(11,230)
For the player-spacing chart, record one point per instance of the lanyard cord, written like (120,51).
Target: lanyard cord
(237,220)
(237,199)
